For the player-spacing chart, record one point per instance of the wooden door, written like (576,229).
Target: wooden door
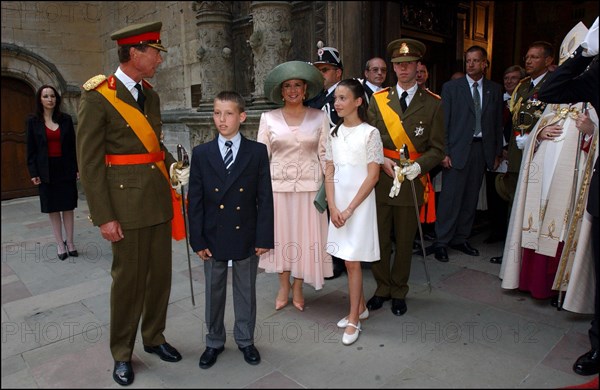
(18,100)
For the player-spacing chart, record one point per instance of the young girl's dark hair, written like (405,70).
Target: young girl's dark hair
(358,91)
(39,108)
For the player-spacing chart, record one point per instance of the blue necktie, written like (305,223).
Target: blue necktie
(228,160)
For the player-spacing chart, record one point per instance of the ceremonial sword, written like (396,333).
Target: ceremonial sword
(404,162)
(183,161)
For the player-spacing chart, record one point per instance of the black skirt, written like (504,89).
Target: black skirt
(60,194)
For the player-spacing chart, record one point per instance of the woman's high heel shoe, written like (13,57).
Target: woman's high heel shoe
(280,304)
(62,256)
(72,253)
(298,305)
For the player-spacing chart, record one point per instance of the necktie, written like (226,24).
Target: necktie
(228,159)
(531,87)
(477,104)
(403,101)
(141,99)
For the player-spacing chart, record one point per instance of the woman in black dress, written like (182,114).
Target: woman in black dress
(52,165)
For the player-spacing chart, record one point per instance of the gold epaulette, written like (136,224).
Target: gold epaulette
(435,95)
(94,82)
(382,90)
(511,102)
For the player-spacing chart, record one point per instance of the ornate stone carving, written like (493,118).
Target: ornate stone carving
(214,35)
(270,40)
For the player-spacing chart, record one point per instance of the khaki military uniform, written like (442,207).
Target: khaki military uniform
(423,123)
(138,197)
(526,110)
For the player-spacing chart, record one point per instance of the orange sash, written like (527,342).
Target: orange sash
(400,138)
(142,129)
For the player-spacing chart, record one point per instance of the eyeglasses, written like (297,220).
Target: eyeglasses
(377,70)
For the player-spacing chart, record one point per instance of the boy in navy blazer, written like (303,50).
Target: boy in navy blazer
(231,218)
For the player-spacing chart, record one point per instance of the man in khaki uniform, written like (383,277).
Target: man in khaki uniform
(122,166)
(526,109)
(404,114)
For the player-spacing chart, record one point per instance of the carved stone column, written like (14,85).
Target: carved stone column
(214,19)
(270,41)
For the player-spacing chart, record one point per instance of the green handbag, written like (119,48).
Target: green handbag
(320,201)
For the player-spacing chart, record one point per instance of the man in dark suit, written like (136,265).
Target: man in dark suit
(375,74)
(405,115)
(231,217)
(122,166)
(576,80)
(329,63)
(473,120)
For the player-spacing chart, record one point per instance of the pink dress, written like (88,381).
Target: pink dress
(297,157)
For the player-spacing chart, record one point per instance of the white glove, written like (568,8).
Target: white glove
(395,190)
(411,171)
(521,140)
(179,176)
(590,43)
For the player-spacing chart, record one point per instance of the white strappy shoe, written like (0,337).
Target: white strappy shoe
(348,339)
(344,321)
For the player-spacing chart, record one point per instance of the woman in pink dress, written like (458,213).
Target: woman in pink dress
(295,136)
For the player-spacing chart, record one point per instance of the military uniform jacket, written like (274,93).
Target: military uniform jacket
(526,110)
(134,195)
(423,123)
(231,214)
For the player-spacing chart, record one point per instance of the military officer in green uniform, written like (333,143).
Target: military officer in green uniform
(126,182)
(405,115)
(526,109)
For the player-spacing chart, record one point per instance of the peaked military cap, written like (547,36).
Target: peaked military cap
(406,50)
(140,34)
(329,55)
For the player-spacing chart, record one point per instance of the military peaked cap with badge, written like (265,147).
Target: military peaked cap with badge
(406,50)
(328,55)
(140,34)
(291,70)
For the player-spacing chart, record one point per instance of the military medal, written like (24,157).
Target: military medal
(419,129)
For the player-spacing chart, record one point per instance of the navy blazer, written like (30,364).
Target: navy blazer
(37,148)
(231,214)
(459,120)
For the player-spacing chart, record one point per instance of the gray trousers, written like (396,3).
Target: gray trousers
(244,300)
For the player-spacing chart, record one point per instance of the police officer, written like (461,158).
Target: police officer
(123,172)
(404,114)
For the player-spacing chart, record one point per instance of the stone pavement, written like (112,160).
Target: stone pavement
(466,333)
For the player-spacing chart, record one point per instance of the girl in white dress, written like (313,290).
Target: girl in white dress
(353,156)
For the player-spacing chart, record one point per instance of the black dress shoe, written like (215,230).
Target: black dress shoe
(496,260)
(164,351)
(554,301)
(63,256)
(251,355)
(376,302)
(123,373)
(466,248)
(209,357)
(441,254)
(588,363)
(399,306)
(429,236)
